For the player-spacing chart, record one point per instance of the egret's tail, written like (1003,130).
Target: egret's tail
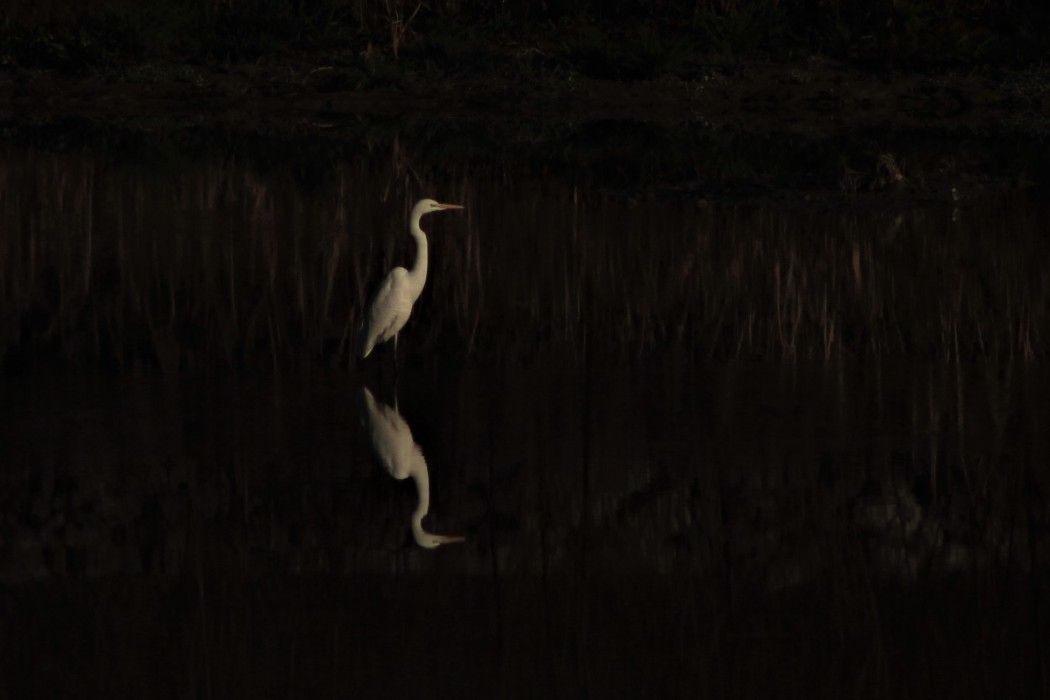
(364,343)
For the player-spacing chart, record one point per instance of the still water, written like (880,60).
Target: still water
(693,447)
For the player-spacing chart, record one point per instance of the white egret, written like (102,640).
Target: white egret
(393,301)
(399,454)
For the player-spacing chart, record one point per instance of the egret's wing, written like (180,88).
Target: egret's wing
(385,313)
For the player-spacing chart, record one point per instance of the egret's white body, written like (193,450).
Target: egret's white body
(393,301)
(399,454)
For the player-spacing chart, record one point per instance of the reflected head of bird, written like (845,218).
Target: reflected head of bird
(431,542)
(428,540)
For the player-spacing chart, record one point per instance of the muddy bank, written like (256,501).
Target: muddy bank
(814,97)
(811,131)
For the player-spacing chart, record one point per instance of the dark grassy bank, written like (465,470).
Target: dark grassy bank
(378,42)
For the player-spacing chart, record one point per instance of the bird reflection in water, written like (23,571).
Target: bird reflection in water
(399,454)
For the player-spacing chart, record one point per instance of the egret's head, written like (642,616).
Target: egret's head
(426,206)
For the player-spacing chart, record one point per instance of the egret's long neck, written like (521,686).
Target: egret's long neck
(418,273)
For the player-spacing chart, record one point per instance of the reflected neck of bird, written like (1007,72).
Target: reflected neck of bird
(422,479)
(426,539)
(418,273)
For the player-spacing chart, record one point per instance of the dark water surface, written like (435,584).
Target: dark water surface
(696,448)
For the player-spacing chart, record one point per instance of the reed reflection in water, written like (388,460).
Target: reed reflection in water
(734,530)
(214,261)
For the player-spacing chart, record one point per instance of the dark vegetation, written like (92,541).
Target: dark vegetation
(202,248)
(275,206)
(617,39)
